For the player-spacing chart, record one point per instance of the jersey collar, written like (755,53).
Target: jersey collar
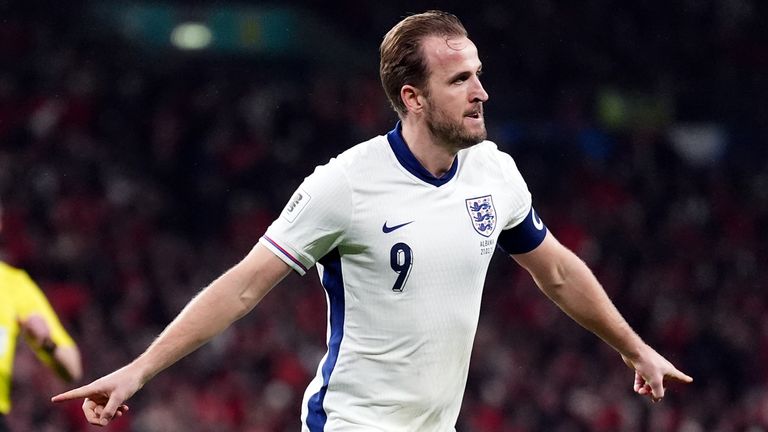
(410,163)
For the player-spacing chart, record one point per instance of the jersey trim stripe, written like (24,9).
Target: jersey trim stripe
(334,286)
(285,252)
(410,163)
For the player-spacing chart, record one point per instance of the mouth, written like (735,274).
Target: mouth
(475,114)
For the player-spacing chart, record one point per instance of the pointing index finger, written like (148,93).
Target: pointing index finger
(78,393)
(680,376)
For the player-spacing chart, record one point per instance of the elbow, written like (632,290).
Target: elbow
(249,297)
(553,290)
(254,287)
(554,282)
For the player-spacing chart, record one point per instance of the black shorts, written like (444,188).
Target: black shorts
(3,424)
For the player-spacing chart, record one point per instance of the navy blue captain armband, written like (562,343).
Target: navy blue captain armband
(525,236)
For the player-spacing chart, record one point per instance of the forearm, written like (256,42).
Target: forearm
(228,298)
(209,313)
(63,360)
(51,343)
(574,288)
(67,363)
(567,280)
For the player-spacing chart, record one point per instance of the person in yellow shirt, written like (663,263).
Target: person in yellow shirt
(25,311)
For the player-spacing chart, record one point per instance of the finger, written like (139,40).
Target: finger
(657,390)
(92,418)
(89,409)
(122,409)
(110,409)
(680,376)
(639,382)
(89,404)
(80,392)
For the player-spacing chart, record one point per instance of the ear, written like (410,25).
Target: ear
(413,98)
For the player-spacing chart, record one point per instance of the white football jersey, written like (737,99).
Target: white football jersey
(402,256)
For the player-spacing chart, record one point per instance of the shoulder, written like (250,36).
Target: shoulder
(487,155)
(8,271)
(352,164)
(16,279)
(366,153)
(330,186)
(487,150)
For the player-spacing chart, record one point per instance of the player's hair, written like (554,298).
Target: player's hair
(402,59)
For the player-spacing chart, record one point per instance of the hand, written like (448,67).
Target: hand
(105,398)
(35,328)
(651,370)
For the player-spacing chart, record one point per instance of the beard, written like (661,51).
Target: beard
(450,132)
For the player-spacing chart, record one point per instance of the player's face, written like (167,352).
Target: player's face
(454,111)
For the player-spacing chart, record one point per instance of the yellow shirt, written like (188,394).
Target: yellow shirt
(19,298)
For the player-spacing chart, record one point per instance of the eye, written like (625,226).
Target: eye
(459,79)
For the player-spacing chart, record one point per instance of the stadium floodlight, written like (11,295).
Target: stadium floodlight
(191,36)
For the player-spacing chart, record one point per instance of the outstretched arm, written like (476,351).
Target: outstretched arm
(568,282)
(209,313)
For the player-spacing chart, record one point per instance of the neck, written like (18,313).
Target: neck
(435,157)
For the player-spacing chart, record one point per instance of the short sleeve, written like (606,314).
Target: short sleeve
(524,230)
(31,300)
(314,220)
(517,190)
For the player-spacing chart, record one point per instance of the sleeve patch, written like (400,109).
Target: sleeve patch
(296,204)
(525,236)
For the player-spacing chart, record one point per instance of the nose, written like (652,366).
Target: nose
(478,93)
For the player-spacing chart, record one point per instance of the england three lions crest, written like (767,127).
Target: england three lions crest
(483,214)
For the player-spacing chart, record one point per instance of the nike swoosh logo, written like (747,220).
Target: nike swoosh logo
(387,229)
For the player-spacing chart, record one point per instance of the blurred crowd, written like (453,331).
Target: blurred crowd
(130,180)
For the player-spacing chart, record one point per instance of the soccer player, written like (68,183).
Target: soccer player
(24,309)
(401,228)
